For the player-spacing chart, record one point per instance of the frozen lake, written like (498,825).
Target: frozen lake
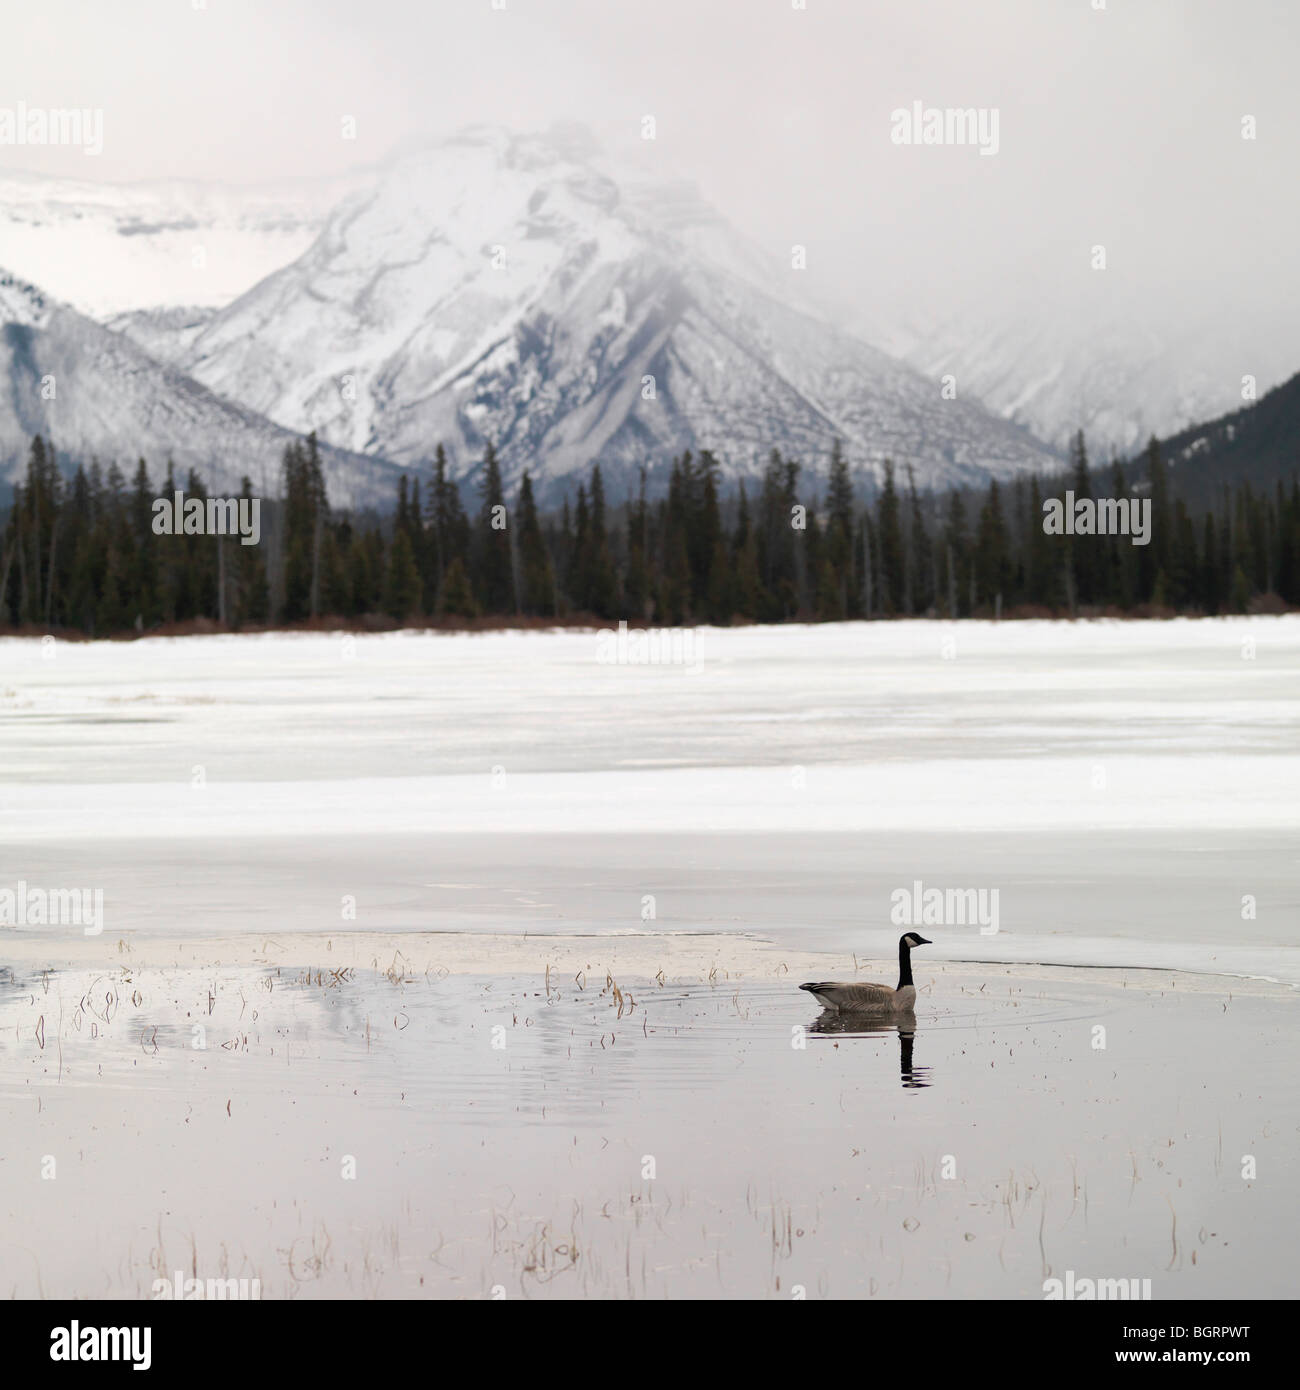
(1131,790)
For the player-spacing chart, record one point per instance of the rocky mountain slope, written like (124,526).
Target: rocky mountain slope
(95,393)
(519,289)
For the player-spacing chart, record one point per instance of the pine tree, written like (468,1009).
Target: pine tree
(1041,574)
(577,580)
(867,565)
(145,579)
(306,511)
(448,523)
(637,584)
(457,597)
(992,567)
(1082,550)
(336,561)
(920,551)
(600,597)
(1154,559)
(776,550)
(252,599)
(402,582)
(1210,594)
(493,569)
(890,536)
(537,577)
(839,539)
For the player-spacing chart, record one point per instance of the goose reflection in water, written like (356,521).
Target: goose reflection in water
(914,1078)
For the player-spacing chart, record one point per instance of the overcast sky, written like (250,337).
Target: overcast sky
(1119,126)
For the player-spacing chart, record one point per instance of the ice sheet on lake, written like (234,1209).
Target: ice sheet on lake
(1112,759)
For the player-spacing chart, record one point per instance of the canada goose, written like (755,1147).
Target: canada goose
(848,996)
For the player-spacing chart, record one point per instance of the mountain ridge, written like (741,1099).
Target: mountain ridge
(95,393)
(497,287)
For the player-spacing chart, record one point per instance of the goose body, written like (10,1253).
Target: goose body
(853,996)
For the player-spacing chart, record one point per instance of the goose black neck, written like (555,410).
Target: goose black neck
(904,964)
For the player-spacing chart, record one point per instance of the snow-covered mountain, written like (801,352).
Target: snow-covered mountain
(95,393)
(1119,378)
(521,289)
(524,287)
